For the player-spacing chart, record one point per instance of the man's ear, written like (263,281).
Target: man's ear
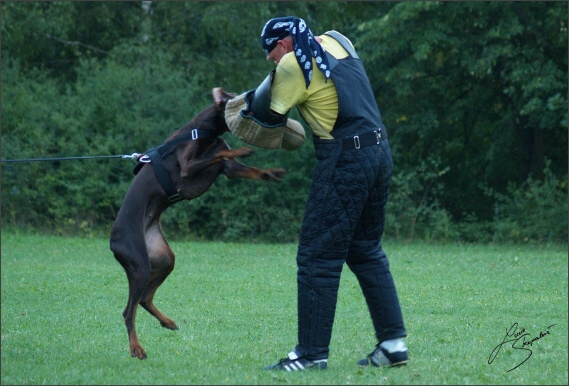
(288,43)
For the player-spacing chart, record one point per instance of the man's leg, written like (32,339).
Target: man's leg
(371,267)
(318,282)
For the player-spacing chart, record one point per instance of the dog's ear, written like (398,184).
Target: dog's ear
(221,97)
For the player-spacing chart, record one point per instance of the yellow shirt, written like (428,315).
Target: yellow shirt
(319,103)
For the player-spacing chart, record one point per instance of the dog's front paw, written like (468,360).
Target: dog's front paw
(244,152)
(274,174)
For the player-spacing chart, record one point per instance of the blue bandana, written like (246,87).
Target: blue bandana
(304,44)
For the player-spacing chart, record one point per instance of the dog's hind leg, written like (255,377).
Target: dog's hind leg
(162,261)
(137,280)
(130,251)
(138,274)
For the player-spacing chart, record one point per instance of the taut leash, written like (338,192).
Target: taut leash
(130,156)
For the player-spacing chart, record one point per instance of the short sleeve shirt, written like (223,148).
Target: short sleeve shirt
(319,103)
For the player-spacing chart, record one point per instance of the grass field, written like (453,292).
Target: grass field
(235,304)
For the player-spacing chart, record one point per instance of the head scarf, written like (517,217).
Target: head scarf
(304,45)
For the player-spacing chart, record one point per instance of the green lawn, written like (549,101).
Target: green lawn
(235,304)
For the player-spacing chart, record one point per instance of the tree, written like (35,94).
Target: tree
(480,87)
(474,96)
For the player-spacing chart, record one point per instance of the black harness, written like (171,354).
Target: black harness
(156,155)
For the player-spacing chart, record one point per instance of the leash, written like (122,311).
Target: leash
(130,156)
(164,148)
(153,156)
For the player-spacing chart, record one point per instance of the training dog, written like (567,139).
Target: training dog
(182,168)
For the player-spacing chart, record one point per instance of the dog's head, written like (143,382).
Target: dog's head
(221,97)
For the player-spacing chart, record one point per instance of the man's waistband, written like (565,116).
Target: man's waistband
(362,140)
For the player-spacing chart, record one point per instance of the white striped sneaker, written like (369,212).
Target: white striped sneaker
(294,363)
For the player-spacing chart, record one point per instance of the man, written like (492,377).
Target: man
(345,211)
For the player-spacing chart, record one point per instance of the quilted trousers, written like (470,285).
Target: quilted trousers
(343,223)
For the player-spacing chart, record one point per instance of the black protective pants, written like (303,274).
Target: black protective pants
(343,222)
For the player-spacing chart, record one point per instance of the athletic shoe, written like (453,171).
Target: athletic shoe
(294,363)
(380,357)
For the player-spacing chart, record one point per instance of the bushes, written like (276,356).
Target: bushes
(121,107)
(116,108)
(534,211)
(414,210)
(120,78)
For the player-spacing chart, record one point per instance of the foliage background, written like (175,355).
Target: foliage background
(474,96)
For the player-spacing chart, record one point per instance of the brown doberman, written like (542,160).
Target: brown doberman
(194,157)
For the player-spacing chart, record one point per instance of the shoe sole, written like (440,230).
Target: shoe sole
(396,364)
(310,368)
